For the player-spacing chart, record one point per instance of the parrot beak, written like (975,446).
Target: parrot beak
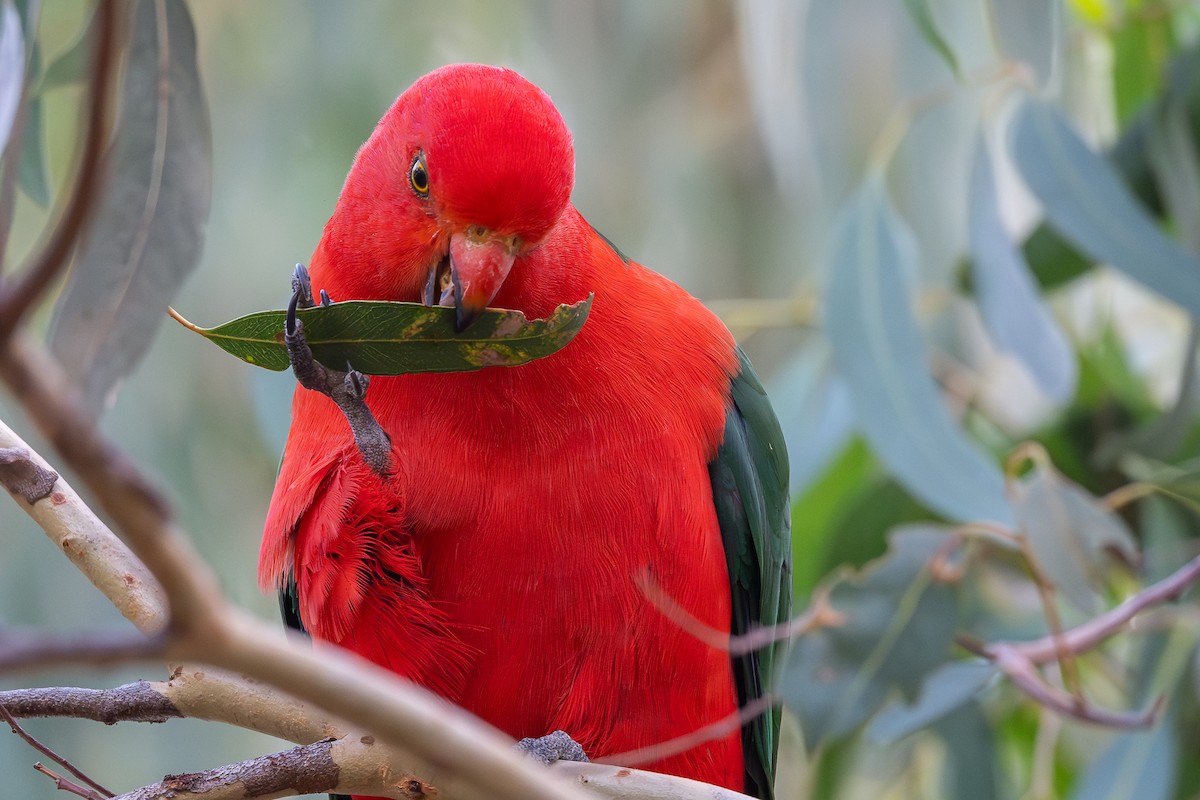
(479,263)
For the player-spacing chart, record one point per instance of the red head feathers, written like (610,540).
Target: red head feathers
(468,170)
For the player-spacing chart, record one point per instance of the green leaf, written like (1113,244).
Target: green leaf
(923,18)
(1140,46)
(878,350)
(1070,532)
(1085,200)
(897,626)
(380,338)
(149,223)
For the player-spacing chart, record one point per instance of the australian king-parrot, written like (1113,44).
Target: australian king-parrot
(499,549)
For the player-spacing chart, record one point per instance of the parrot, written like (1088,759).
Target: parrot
(513,538)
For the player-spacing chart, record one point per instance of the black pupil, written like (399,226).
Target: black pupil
(420,180)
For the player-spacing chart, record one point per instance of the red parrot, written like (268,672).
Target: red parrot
(499,555)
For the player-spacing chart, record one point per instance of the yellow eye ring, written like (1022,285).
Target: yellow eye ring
(418,176)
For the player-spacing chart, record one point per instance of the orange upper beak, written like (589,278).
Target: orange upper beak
(479,263)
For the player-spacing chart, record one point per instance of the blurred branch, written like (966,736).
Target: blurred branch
(17,300)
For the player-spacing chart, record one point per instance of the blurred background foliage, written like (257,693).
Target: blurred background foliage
(854,185)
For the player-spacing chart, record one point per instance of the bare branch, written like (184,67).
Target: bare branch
(1095,631)
(65,785)
(133,702)
(48,753)
(1020,660)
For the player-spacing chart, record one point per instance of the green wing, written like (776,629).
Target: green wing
(750,491)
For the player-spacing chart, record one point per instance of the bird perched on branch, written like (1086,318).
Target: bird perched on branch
(493,535)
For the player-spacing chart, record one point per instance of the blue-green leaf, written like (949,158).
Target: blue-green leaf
(1012,310)
(944,691)
(1028,31)
(149,223)
(897,626)
(878,350)
(1085,200)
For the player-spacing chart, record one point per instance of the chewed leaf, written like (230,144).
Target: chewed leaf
(382,338)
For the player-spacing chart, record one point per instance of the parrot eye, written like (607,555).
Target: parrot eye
(418,178)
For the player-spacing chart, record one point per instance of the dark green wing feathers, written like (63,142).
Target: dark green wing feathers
(750,491)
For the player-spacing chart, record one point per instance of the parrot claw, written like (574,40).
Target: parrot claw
(356,382)
(557,746)
(302,287)
(325,301)
(348,390)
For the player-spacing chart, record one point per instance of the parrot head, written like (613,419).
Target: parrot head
(469,170)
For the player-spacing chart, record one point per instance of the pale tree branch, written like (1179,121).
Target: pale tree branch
(417,736)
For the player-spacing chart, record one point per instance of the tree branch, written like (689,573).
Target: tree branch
(48,753)
(1019,661)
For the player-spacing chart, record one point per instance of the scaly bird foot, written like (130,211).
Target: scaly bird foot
(557,746)
(348,390)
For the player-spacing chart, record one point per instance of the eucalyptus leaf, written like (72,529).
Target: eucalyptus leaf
(12,68)
(879,352)
(897,626)
(1086,201)
(1029,31)
(948,688)
(1012,309)
(1070,533)
(382,338)
(148,230)
(820,420)
(922,17)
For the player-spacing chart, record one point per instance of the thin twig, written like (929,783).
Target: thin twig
(48,753)
(1096,630)
(16,300)
(820,614)
(65,785)
(681,744)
